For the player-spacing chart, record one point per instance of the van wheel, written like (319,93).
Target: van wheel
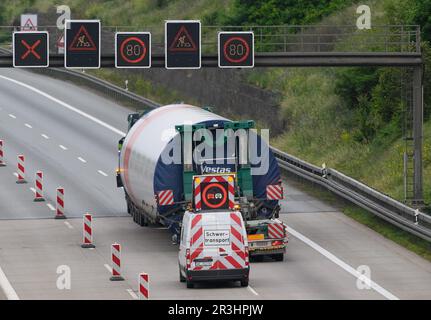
(182,278)
(278,257)
(190,285)
(244,283)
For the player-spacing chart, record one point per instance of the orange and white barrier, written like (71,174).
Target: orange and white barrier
(21,170)
(38,193)
(60,204)
(87,235)
(116,262)
(2,162)
(144,286)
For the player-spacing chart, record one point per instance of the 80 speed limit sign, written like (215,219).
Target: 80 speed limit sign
(236,49)
(132,50)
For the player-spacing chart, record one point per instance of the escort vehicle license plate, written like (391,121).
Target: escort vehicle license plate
(261,244)
(203,263)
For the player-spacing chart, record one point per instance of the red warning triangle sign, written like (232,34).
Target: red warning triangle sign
(60,42)
(28,25)
(82,41)
(183,41)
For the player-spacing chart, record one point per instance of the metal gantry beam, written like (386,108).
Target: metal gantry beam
(281,59)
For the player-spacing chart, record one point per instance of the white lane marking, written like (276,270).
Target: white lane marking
(15,174)
(7,288)
(32,189)
(102,173)
(133,294)
(252,291)
(341,263)
(28,126)
(108,267)
(45,136)
(62,147)
(12,116)
(82,160)
(68,224)
(66,105)
(50,206)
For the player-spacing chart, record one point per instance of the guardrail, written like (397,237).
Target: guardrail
(391,210)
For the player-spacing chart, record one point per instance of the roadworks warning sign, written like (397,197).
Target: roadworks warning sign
(183,41)
(82,41)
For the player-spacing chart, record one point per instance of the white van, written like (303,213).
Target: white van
(213,246)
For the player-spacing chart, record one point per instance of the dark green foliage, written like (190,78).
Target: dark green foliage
(276,12)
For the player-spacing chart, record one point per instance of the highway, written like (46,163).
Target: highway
(71,135)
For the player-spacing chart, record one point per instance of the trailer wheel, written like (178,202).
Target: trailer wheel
(143,221)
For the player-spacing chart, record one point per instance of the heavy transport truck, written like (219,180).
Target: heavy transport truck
(168,149)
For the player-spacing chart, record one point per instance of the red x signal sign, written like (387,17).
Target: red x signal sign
(30,49)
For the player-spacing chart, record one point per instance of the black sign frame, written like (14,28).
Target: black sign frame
(224,37)
(145,37)
(77,56)
(178,59)
(44,37)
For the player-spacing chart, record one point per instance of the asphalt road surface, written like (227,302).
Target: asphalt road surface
(71,134)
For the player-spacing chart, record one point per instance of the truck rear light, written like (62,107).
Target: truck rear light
(188,260)
(277,243)
(246,256)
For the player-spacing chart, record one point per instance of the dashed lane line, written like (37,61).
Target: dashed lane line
(65,105)
(133,294)
(108,267)
(45,136)
(12,116)
(342,264)
(62,147)
(7,288)
(68,224)
(28,126)
(82,160)
(102,173)
(249,288)
(50,206)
